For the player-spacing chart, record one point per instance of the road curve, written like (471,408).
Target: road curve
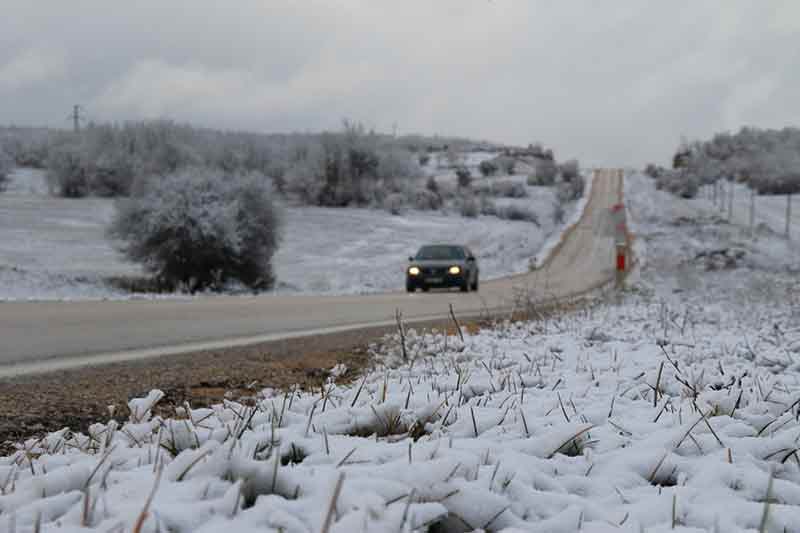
(38,336)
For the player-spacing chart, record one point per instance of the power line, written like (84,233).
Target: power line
(76,118)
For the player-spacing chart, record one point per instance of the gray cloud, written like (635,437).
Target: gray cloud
(610,83)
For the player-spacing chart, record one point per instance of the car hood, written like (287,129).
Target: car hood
(439,263)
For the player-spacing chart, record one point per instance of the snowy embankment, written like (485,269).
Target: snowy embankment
(54,248)
(673,408)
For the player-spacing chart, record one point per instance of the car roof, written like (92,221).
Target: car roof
(443,246)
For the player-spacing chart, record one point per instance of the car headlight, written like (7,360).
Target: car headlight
(454,270)
(414,271)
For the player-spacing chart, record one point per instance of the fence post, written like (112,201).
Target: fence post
(752,209)
(714,187)
(730,200)
(788,215)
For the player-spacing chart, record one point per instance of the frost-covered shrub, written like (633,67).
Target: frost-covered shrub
(570,170)
(432,185)
(200,228)
(679,182)
(767,160)
(482,187)
(113,174)
(5,170)
(517,213)
(469,206)
(347,168)
(426,200)
(509,189)
(568,191)
(559,214)
(652,170)
(779,184)
(394,203)
(507,164)
(27,147)
(487,168)
(464,177)
(67,173)
(544,174)
(487,206)
(305,179)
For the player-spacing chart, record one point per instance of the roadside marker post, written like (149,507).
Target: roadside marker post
(622,256)
(620,242)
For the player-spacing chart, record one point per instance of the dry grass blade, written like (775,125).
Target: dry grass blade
(689,431)
(86,510)
(658,383)
(100,463)
(191,465)
(326,524)
(345,458)
(563,411)
(768,424)
(524,423)
(137,527)
(674,510)
(401,330)
(310,418)
(765,515)
(495,517)
(358,392)
(651,478)
(711,429)
(406,509)
(568,441)
(455,321)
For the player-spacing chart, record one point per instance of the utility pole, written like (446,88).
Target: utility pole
(76,118)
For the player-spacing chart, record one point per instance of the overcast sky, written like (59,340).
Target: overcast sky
(611,83)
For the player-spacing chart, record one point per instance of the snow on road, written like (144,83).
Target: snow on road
(674,408)
(53,248)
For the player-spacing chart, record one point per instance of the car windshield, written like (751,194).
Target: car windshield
(440,253)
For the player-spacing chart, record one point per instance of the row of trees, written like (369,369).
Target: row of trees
(349,167)
(766,160)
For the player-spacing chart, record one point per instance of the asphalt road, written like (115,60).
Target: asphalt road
(40,336)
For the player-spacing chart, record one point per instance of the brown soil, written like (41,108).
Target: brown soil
(35,404)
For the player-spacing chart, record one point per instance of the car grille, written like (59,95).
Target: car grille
(434,271)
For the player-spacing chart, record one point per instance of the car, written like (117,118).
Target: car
(442,266)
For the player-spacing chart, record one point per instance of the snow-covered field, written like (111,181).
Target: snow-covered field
(673,407)
(53,248)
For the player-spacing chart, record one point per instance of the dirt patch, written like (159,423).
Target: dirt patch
(35,404)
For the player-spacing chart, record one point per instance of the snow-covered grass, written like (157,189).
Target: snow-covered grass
(55,248)
(672,408)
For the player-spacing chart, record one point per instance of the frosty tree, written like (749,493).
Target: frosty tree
(5,169)
(200,228)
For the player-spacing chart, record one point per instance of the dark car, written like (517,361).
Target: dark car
(442,266)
